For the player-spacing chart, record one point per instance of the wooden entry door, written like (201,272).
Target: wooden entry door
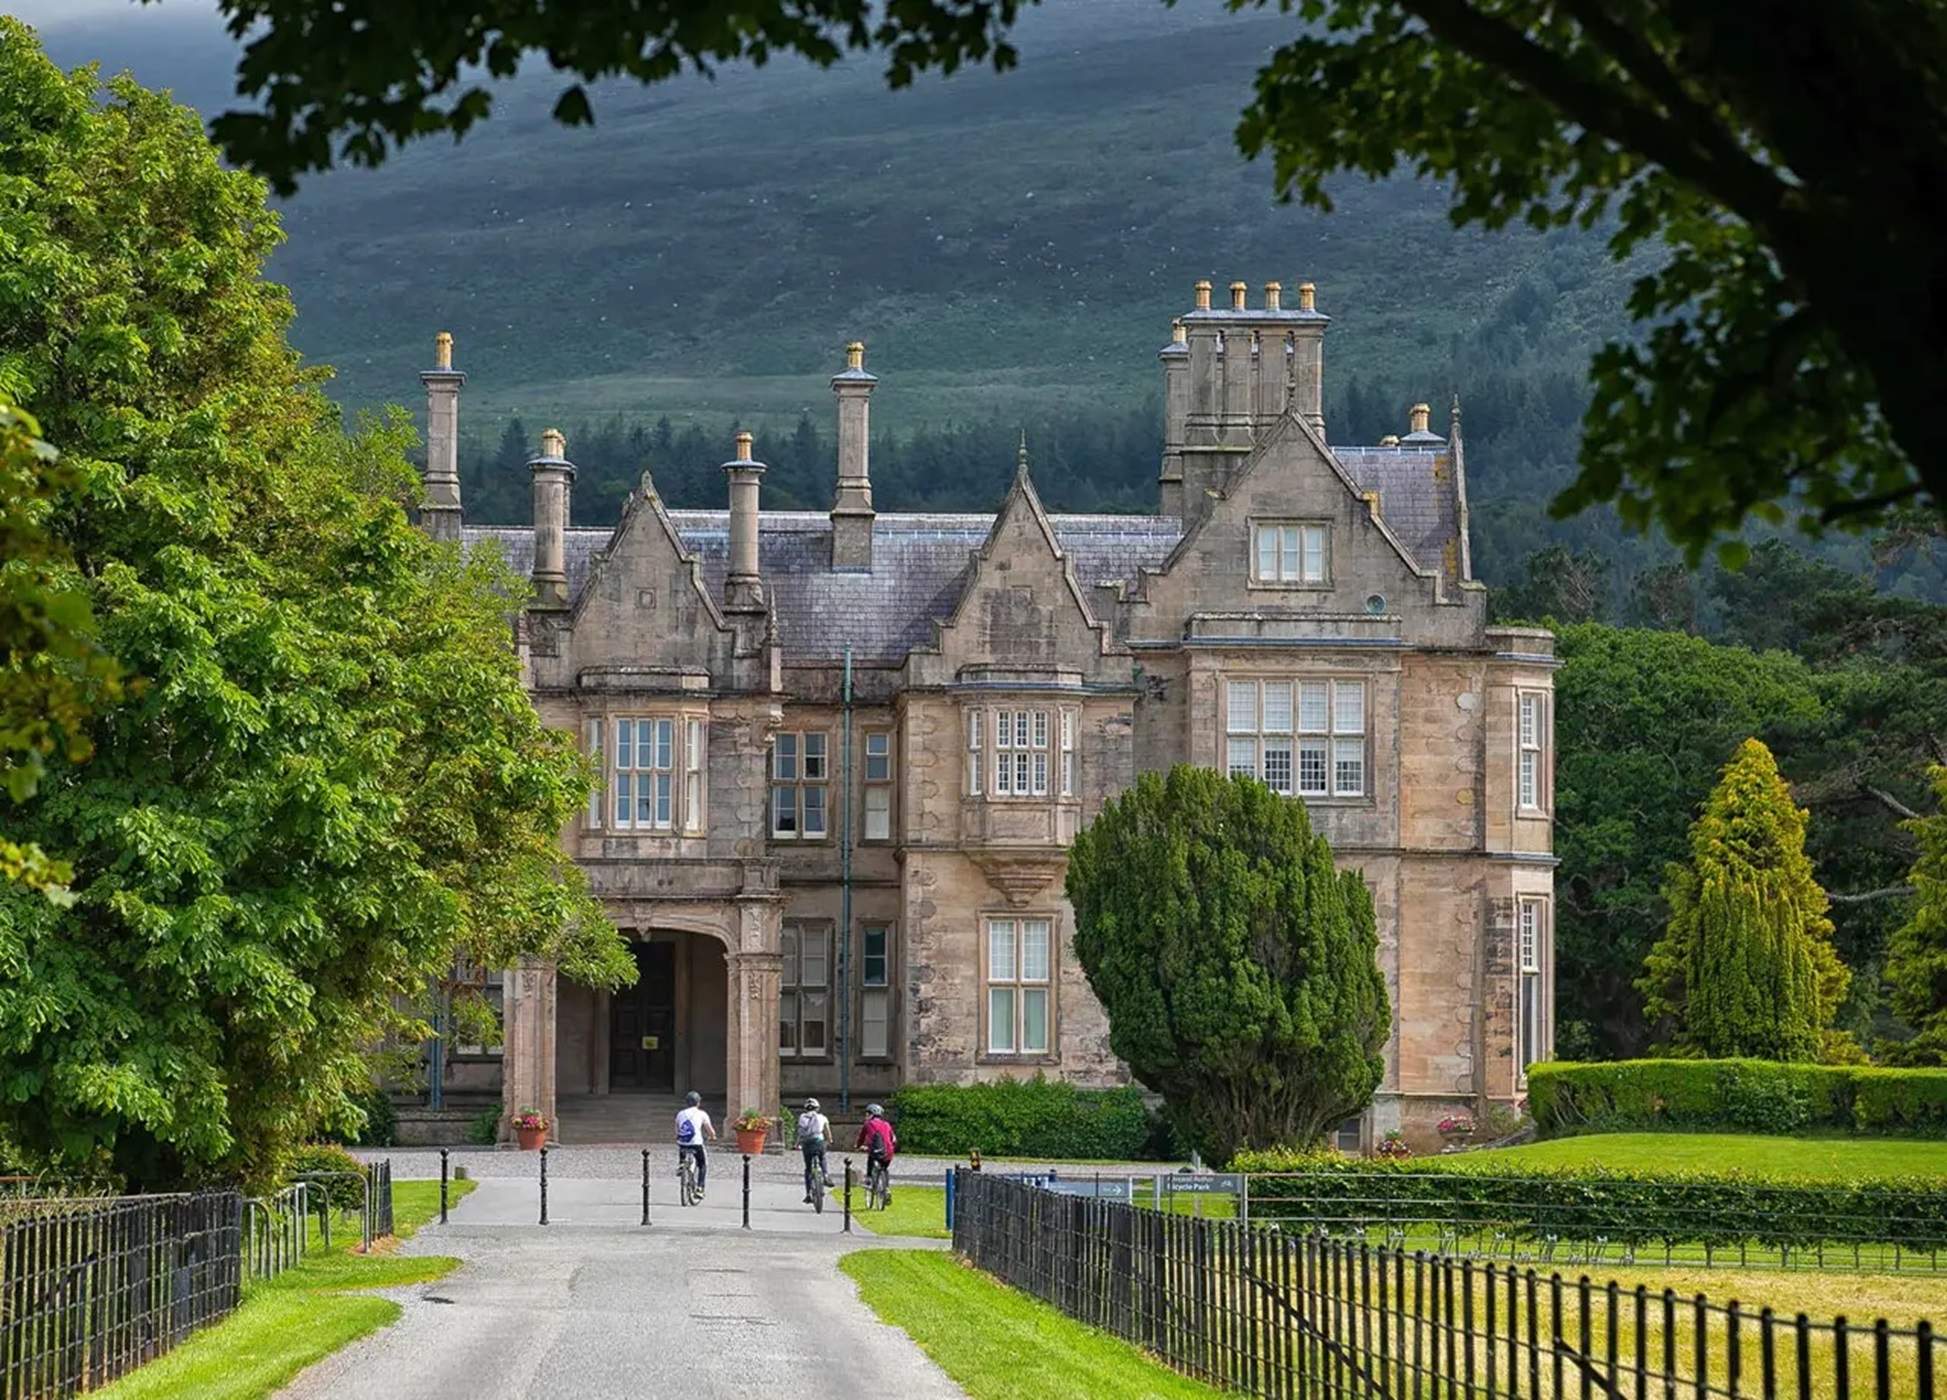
(642,1025)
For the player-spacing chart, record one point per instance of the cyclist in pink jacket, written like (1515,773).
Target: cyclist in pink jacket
(877,1140)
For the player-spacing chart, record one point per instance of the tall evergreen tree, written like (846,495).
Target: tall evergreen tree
(1916,959)
(1237,965)
(1746,967)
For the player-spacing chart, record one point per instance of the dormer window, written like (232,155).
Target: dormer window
(1290,553)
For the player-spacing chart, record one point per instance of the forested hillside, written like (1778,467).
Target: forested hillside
(1011,248)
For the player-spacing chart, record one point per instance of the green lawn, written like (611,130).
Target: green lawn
(916,1212)
(1002,1345)
(1824,1158)
(304,1315)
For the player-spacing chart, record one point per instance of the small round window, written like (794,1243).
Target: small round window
(1375,603)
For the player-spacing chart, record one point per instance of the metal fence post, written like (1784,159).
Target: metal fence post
(952,1183)
(1244,1199)
(747,1190)
(848,1196)
(442,1186)
(645,1186)
(544,1186)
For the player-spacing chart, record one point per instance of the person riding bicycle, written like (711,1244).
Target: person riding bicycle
(813,1129)
(879,1143)
(693,1125)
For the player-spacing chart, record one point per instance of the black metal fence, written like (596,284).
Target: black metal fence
(91,1289)
(1275,1313)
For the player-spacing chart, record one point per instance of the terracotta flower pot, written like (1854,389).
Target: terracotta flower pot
(750,1141)
(531,1139)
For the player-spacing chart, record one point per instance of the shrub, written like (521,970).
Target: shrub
(1035,1117)
(484,1130)
(343,1192)
(1594,1203)
(1736,1095)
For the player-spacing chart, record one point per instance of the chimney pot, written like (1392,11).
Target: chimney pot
(1273,295)
(1307,297)
(553,443)
(1202,290)
(1390,440)
(855,355)
(443,350)
(743,446)
(1418,417)
(1237,290)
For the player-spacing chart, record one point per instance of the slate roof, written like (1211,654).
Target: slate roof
(1416,495)
(920,565)
(921,561)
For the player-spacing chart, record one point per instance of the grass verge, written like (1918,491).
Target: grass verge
(289,1322)
(998,1344)
(917,1212)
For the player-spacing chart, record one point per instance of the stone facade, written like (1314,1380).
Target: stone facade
(844,754)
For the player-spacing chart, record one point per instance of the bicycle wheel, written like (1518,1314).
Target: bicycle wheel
(876,1192)
(818,1192)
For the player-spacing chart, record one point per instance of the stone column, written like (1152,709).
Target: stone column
(553,474)
(852,514)
(527,1055)
(755,971)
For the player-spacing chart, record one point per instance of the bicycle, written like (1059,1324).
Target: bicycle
(878,1184)
(689,1191)
(818,1191)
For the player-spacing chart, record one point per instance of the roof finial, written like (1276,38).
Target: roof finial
(1454,417)
(1021,456)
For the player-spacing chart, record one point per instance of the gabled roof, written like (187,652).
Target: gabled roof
(920,565)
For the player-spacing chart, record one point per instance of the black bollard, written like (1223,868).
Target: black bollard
(848,1195)
(442,1186)
(645,1186)
(544,1186)
(746,1190)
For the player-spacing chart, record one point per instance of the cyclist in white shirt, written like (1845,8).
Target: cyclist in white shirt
(813,1129)
(693,1125)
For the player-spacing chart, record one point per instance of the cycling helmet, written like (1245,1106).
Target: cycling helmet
(811,1105)
(692,1098)
(872,1110)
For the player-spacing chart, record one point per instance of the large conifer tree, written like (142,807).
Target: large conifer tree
(1237,964)
(1916,959)
(1746,966)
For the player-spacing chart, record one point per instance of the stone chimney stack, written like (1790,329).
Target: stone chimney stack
(1176,407)
(852,513)
(553,473)
(440,513)
(743,587)
(1308,357)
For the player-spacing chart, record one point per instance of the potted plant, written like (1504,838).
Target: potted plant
(751,1128)
(1458,1130)
(530,1129)
(1393,1146)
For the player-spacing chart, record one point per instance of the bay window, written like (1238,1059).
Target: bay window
(1531,739)
(1017,753)
(1529,931)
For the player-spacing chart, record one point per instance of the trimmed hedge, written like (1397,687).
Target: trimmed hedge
(1720,1209)
(343,1192)
(1039,1118)
(1758,1096)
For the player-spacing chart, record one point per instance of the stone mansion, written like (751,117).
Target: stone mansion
(844,753)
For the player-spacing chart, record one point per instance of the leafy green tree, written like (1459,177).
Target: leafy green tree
(1644,721)
(1746,968)
(1238,967)
(1775,163)
(1561,585)
(1916,961)
(52,672)
(332,781)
